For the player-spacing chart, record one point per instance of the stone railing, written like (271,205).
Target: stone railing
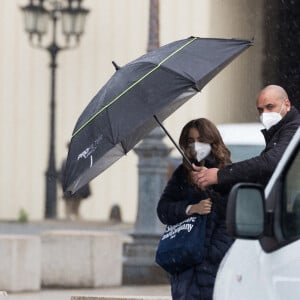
(20,263)
(82,258)
(61,259)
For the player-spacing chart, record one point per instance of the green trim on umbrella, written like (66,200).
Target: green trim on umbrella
(131,86)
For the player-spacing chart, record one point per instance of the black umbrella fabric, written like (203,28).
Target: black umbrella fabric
(157,83)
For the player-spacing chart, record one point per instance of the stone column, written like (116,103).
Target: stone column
(152,167)
(139,265)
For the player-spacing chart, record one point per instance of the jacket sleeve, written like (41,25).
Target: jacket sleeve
(172,205)
(258,169)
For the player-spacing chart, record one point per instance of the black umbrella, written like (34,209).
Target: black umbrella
(156,84)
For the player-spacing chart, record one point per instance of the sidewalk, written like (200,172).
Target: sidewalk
(36,227)
(65,294)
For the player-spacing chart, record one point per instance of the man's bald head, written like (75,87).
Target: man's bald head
(273,98)
(276,91)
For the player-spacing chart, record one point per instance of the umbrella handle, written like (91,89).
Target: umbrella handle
(175,144)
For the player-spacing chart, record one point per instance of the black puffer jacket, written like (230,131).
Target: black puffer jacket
(197,282)
(259,169)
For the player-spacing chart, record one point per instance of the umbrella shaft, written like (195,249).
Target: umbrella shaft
(175,144)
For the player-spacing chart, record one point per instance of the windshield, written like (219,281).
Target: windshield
(242,152)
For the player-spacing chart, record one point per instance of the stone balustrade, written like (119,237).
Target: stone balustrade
(73,258)
(20,262)
(82,259)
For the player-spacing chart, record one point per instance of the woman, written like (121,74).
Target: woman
(180,199)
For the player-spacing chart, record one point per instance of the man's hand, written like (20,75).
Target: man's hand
(204,177)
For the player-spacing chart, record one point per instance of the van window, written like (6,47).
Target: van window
(244,140)
(243,152)
(291,207)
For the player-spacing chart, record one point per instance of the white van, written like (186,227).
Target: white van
(264,261)
(244,140)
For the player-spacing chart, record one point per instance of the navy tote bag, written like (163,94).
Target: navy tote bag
(182,245)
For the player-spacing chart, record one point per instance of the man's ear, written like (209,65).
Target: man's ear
(287,104)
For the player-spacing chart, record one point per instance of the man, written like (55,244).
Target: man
(281,120)
(73,201)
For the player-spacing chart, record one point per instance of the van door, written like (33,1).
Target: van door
(284,263)
(266,267)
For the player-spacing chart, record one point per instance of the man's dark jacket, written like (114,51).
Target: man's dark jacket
(259,169)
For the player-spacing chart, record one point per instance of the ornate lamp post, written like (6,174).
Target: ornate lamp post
(139,266)
(37,16)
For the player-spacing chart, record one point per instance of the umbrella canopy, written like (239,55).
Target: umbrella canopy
(156,84)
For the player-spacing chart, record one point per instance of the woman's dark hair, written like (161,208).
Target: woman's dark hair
(209,134)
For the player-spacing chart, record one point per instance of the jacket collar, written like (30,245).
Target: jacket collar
(290,116)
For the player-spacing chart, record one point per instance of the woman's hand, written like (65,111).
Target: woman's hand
(202,208)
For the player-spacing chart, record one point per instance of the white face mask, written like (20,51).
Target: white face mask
(270,119)
(200,150)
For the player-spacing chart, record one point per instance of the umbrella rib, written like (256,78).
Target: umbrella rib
(131,86)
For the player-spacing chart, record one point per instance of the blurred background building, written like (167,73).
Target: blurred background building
(117,30)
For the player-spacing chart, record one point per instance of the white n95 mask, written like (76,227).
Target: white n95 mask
(270,119)
(200,150)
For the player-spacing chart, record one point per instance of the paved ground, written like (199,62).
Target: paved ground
(36,227)
(149,290)
(65,294)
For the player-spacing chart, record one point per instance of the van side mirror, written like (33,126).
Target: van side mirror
(245,216)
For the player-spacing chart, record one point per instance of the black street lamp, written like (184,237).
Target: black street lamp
(37,16)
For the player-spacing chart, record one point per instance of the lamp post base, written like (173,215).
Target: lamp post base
(139,267)
(51,195)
